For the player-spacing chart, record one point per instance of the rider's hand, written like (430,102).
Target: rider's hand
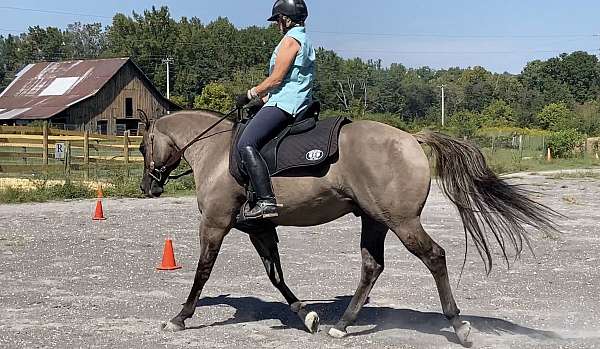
(241,100)
(255,105)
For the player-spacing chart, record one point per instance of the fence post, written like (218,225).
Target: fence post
(68,161)
(543,143)
(86,154)
(45,145)
(126,151)
(520,147)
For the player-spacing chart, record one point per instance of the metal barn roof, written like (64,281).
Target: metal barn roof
(43,90)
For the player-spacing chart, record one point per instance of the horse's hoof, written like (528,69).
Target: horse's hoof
(171,327)
(311,321)
(463,330)
(335,333)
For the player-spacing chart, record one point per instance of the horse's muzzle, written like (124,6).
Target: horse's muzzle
(151,188)
(156,190)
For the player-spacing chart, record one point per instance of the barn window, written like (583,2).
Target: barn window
(128,107)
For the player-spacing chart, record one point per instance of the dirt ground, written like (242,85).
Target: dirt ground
(67,281)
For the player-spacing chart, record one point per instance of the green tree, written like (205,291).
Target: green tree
(588,118)
(465,122)
(498,113)
(477,88)
(556,117)
(329,70)
(580,72)
(42,44)
(214,97)
(85,40)
(419,95)
(3,63)
(390,98)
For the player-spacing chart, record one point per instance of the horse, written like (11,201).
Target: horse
(380,173)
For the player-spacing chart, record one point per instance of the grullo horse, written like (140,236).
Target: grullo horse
(381,174)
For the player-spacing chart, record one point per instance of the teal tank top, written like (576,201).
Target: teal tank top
(296,90)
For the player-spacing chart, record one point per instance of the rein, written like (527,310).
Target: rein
(157,174)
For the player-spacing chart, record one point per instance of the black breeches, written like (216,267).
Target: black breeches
(265,125)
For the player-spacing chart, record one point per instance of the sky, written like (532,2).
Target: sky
(501,36)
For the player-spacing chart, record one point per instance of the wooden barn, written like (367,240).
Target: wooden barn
(101,95)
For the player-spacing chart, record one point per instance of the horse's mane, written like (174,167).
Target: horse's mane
(206,112)
(231,122)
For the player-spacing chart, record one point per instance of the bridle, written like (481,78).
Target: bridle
(158,173)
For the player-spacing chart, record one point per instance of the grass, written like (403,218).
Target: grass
(118,185)
(510,161)
(575,175)
(69,190)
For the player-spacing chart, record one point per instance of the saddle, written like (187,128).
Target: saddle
(303,148)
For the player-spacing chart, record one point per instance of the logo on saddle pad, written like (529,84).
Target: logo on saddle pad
(314,155)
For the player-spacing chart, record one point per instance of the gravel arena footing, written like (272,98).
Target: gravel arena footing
(67,281)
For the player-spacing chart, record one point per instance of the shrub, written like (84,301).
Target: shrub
(214,97)
(564,143)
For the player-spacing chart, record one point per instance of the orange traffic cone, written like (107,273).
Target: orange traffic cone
(99,213)
(549,155)
(168,259)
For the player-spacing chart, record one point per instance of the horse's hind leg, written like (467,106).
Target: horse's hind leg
(266,245)
(372,241)
(419,243)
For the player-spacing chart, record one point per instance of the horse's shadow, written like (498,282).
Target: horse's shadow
(250,309)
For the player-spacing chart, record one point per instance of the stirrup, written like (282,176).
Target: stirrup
(262,210)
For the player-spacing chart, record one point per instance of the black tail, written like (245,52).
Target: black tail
(485,202)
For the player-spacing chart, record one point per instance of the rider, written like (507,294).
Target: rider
(285,93)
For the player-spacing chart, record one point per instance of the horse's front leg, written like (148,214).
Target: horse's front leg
(211,238)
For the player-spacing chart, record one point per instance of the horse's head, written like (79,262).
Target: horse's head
(160,159)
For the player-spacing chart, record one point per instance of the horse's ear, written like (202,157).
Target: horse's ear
(145,119)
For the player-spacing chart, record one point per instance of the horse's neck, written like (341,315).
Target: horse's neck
(184,127)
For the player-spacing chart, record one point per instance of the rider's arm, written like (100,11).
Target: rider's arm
(285,58)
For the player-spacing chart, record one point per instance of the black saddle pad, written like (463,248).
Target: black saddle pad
(301,147)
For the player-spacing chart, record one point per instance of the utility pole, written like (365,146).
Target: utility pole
(168,61)
(443,105)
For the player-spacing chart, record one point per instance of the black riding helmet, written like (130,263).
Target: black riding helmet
(296,10)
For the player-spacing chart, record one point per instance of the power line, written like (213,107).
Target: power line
(457,52)
(54,12)
(12,30)
(461,36)
(370,34)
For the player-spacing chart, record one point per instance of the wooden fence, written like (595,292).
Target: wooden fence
(30,150)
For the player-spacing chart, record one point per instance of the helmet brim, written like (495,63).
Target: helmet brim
(273,18)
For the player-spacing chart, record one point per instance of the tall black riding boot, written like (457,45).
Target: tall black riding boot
(266,206)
